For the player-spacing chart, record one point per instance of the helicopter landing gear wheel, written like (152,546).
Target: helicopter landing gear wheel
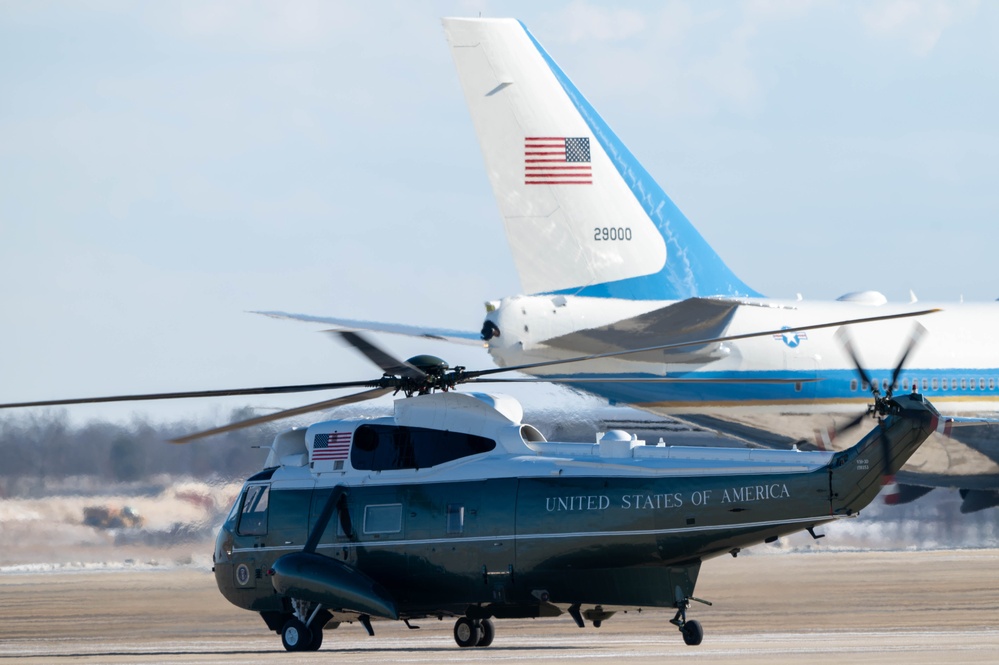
(692,633)
(486,633)
(317,638)
(295,636)
(467,633)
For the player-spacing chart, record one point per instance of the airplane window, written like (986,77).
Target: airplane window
(383,518)
(935,384)
(905,384)
(864,386)
(853,385)
(253,520)
(884,384)
(981,384)
(388,447)
(971,383)
(455,518)
(926,385)
(992,384)
(964,384)
(953,384)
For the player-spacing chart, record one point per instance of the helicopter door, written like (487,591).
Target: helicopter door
(288,510)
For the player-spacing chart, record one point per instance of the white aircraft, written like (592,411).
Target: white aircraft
(611,263)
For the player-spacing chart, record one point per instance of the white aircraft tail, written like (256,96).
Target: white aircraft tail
(582,216)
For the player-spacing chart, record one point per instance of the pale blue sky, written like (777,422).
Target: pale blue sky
(166,167)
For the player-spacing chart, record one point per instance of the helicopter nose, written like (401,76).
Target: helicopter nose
(489,330)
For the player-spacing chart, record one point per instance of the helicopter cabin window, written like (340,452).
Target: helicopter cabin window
(385,447)
(253,517)
(383,518)
(455,518)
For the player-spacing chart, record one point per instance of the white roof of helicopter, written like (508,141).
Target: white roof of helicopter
(323,449)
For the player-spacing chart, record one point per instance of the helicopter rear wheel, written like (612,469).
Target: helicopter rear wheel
(295,636)
(693,633)
(486,633)
(467,633)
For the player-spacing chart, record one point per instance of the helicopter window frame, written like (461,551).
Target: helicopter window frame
(383,447)
(253,511)
(382,518)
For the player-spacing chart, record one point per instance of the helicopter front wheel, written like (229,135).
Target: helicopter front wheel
(486,632)
(295,636)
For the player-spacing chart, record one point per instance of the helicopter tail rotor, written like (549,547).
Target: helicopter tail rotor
(883,404)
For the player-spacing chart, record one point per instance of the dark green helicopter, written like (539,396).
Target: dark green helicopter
(452,507)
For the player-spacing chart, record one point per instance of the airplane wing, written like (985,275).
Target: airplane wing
(469,338)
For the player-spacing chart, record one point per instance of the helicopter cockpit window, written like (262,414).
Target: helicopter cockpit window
(253,518)
(384,447)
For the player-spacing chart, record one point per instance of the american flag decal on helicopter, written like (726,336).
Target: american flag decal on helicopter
(332,446)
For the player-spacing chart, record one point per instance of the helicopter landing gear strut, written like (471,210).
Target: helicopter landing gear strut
(692,632)
(473,632)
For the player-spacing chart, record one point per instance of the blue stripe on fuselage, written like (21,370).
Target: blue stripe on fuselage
(834,386)
(692,266)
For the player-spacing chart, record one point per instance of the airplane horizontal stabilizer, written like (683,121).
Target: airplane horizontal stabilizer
(444,334)
(687,320)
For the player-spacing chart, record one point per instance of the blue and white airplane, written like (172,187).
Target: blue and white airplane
(610,263)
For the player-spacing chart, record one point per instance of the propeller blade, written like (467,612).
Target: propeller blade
(918,331)
(825,437)
(267,390)
(389,364)
(844,338)
(699,342)
(318,406)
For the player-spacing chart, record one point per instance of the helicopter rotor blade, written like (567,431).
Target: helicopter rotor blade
(699,342)
(287,413)
(388,363)
(643,379)
(266,390)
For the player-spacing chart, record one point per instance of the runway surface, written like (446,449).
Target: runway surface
(828,607)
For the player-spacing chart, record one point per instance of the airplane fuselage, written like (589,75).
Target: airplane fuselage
(951,365)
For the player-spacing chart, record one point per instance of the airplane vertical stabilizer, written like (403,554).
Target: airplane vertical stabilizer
(582,216)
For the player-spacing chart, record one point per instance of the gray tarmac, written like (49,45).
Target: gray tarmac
(771,607)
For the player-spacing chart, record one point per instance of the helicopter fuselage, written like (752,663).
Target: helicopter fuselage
(453,507)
